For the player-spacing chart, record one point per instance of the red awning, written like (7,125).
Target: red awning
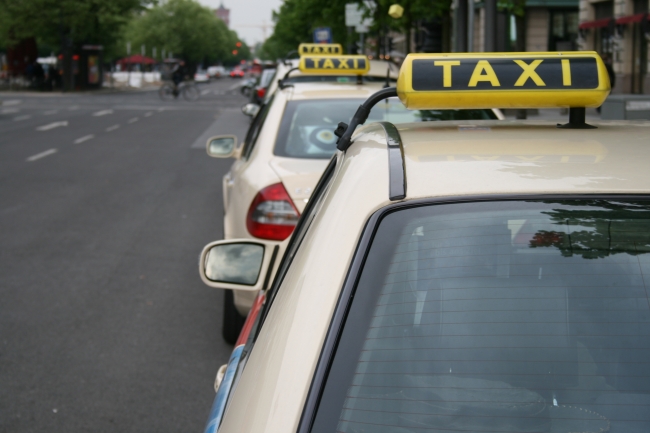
(631,19)
(136,59)
(604,22)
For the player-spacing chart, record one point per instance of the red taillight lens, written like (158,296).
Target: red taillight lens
(261,92)
(272,214)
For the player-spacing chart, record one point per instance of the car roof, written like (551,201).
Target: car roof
(331,90)
(460,158)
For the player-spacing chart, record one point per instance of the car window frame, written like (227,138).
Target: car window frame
(254,131)
(346,295)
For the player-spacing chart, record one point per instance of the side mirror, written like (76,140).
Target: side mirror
(250,109)
(237,264)
(222,146)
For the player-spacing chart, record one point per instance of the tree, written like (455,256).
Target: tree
(66,22)
(188,30)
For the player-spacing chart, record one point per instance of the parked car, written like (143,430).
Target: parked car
(201,76)
(237,73)
(216,71)
(467,276)
(284,153)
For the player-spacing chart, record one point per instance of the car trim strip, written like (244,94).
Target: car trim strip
(349,286)
(219,405)
(396,168)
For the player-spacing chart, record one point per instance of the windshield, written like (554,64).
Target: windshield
(499,317)
(307,128)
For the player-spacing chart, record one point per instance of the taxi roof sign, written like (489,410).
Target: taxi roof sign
(504,80)
(334,65)
(319,49)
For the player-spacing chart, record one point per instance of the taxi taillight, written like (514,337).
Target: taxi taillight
(272,214)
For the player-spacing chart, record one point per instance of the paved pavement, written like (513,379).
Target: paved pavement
(105,204)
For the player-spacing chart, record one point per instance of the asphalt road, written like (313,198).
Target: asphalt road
(105,203)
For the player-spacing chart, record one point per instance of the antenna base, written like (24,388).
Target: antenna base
(577,116)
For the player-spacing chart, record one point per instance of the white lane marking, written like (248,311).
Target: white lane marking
(25,117)
(48,113)
(135,119)
(234,86)
(148,114)
(84,138)
(205,92)
(41,155)
(102,113)
(73,107)
(10,110)
(112,128)
(52,125)
(12,102)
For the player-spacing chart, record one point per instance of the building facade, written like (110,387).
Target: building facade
(223,14)
(619,31)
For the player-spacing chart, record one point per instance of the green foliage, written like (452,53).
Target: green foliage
(188,30)
(76,21)
(296,19)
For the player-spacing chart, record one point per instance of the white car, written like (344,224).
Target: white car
(201,76)
(469,276)
(217,71)
(285,152)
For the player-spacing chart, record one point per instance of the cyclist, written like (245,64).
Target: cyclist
(178,74)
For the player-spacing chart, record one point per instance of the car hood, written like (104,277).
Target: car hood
(299,177)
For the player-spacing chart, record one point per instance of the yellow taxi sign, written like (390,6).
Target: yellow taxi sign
(322,49)
(503,80)
(334,65)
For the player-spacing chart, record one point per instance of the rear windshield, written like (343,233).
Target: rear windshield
(499,317)
(307,128)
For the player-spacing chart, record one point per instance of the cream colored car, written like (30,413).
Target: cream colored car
(284,154)
(473,276)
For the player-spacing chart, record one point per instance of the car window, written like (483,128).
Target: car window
(307,128)
(515,316)
(255,128)
(267,76)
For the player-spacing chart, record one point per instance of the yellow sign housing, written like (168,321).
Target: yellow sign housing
(320,49)
(334,65)
(503,80)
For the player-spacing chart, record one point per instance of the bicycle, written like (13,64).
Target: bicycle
(169,92)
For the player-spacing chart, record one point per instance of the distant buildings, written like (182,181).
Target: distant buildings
(223,14)
(619,31)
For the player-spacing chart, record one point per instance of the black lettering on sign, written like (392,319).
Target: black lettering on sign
(505,74)
(340,63)
(320,49)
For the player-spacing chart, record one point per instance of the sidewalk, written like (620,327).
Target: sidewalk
(560,115)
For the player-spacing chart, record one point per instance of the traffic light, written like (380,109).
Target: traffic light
(238,44)
(234,52)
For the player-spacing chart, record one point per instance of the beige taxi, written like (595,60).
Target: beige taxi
(468,276)
(287,148)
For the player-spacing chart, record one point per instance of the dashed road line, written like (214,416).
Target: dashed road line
(84,138)
(52,125)
(205,92)
(49,113)
(24,117)
(102,113)
(41,155)
(12,102)
(10,110)
(135,119)
(112,128)
(148,114)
